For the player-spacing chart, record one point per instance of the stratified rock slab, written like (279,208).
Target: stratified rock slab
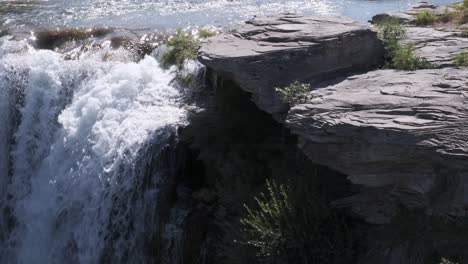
(408,17)
(403,135)
(438,46)
(273,51)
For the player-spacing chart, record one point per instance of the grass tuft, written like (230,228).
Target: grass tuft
(425,18)
(391,30)
(182,47)
(399,56)
(404,58)
(461,59)
(289,224)
(295,93)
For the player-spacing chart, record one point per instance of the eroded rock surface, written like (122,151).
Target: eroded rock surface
(403,135)
(408,17)
(438,46)
(273,51)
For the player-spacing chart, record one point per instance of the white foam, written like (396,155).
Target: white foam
(83,126)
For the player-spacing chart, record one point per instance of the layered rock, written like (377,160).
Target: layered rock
(408,17)
(403,135)
(272,51)
(438,46)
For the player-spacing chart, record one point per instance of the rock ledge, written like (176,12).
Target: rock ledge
(273,51)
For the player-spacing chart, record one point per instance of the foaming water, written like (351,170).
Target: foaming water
(78,138)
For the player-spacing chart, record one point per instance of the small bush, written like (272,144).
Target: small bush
(291,225)
(425,18)
(265,225)
(403,57)
(461,59)
(400,56)
(295,93)
(459,16)
(391,30)
(182,47)
(461,6)
(205,33)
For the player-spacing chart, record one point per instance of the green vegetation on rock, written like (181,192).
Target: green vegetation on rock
(205,33)
(461,59)
(425,18)
(182,47)
(459,16)
(391,30)
(290,224)
(400,56)
(295,93)
(404,58)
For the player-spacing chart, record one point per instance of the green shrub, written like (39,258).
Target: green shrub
(403,57)
(290,224)
(459,16)
(205,33)
(182,47)
(391,30)
(461,59)
(399,56)
(425,18)
(265,225)
(295,93)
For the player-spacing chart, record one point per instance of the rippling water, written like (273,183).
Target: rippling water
(180,13)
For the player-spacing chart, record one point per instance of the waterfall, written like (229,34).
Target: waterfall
(85,150)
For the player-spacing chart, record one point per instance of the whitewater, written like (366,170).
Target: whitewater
(76,140)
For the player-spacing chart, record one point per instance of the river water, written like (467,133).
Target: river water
(77,136)
(181,13)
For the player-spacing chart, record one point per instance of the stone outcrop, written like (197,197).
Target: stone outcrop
(438,46)
(401,134)
(407,17)
(272,51)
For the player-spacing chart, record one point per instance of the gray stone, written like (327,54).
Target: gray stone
(403,136)
(407,17)
(438,46)
(273,51)
(404,18)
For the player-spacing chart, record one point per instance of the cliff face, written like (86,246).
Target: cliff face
(400,132)
(399,136)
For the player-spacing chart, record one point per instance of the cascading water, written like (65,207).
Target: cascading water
(83,153)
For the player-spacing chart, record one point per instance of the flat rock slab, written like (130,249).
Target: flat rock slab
(402,135)
(408,17)
(273,51)
(438,46)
